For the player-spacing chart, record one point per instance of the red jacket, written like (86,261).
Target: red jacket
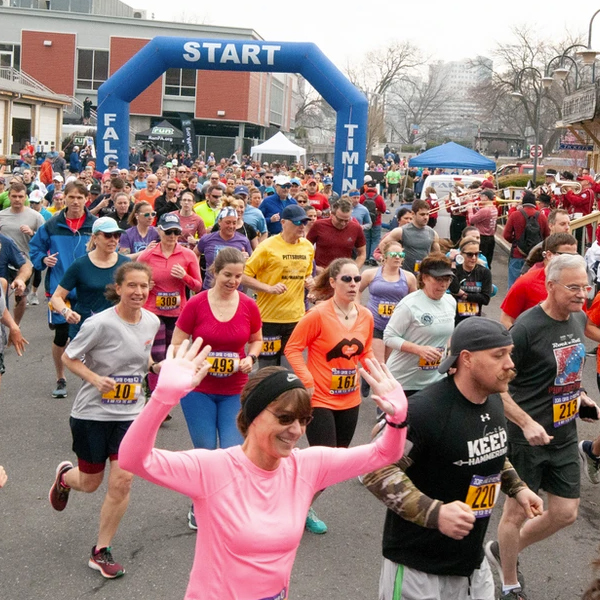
(515,227)
(579,202)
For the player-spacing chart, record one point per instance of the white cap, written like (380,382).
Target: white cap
(282,180)
(57,177)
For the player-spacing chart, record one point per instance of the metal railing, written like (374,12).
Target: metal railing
(12,74)
(77,109)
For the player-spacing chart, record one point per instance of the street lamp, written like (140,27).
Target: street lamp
(561,73)
(588,55)
(539,91)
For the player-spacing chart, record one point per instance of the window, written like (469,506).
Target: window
(92,69)
(180,82)
(277,96)
(10,56)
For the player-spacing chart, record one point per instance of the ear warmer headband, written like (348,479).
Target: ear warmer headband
(267,391)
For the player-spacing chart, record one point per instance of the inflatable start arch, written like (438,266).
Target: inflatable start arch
(163,53)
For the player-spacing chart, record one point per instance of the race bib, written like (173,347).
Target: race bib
(467,309)
(482,494)
(168,300)
(343,381)
(385,309)
(126,391)
(271,345)
(564,409)
(223,364)
(430,365)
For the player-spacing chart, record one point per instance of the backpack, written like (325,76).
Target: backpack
(370,205)
(532,234)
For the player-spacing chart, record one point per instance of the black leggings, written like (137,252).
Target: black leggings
(333,428)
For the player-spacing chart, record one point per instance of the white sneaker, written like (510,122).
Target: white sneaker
(32,299)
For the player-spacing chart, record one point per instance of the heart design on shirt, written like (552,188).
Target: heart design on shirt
(350,350)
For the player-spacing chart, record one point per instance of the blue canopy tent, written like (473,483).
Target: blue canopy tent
(453,156)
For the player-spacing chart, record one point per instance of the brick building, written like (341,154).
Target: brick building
(74,48)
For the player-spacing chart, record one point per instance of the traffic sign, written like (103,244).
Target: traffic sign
(536,151)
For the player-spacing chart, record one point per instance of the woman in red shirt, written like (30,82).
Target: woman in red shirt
(174,269)
(226,320)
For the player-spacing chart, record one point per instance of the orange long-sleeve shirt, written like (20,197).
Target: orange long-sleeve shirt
(333,354)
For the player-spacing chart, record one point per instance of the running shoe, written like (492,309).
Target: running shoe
(61,389)
(514,595)
(33,299)
(591,463)
(492,553)
(314,524)
(59,494)
(192,519)
(103,561)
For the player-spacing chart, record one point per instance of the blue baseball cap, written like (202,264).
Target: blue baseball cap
(106,225)
(241,189)
(169,221)
(293,212)
(295,181)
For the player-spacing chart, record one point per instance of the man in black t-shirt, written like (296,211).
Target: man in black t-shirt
(542,407)
(441,494)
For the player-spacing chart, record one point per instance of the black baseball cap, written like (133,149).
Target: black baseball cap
(293,212)
(474,334)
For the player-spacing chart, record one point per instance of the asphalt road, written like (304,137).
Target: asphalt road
(43,554)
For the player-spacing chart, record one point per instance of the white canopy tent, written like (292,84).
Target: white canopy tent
(278,145)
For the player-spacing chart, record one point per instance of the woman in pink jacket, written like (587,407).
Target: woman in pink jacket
(251,500)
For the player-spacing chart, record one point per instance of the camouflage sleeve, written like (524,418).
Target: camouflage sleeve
(511,484)
(395,489)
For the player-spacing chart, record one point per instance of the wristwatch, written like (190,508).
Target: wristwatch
(254,358)
(63,312)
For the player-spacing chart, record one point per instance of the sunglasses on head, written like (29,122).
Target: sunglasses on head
(114,234)
(149,214)
(396,254)
(286,419)
(349,278)
(470,254)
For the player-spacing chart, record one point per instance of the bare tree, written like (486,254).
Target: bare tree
(312,113)
(515,64)
(375,76)
(417,100)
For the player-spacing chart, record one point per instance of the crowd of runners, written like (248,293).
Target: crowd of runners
(236,289)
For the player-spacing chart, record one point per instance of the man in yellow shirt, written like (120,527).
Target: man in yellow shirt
(279,270)
(208,209)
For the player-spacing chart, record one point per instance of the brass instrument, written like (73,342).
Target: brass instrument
(566,184)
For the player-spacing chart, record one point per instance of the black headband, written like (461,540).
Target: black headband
(267,391)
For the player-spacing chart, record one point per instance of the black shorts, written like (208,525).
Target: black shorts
(377,333)
(2,367)
(275,338)
(96,441)
(392,188)
(554,468)
(11,275)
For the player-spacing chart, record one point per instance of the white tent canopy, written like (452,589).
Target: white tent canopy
(278,144)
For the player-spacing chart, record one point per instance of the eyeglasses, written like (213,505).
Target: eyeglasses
(586,289)
(298,223)
(172,232)
(150,214)
(113,235)
(286,419)
(349,278)
(268,177)
(172,189)
(470,254)
(396,254)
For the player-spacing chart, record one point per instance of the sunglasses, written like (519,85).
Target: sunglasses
(302,201)
(396,254)
(268,177)
(113,235)
(285,186)
(470,254)
(150,214)
(172,189)
(287,419)
(349,278)
(298,223)
(182,171)
(215,197)
(172,232)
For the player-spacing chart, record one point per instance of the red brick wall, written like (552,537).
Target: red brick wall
(149,102)
(222,90)
(54,66)
(254,98)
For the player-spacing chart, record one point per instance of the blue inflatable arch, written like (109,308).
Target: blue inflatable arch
(163,53)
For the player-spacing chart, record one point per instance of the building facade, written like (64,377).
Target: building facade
(73,46)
